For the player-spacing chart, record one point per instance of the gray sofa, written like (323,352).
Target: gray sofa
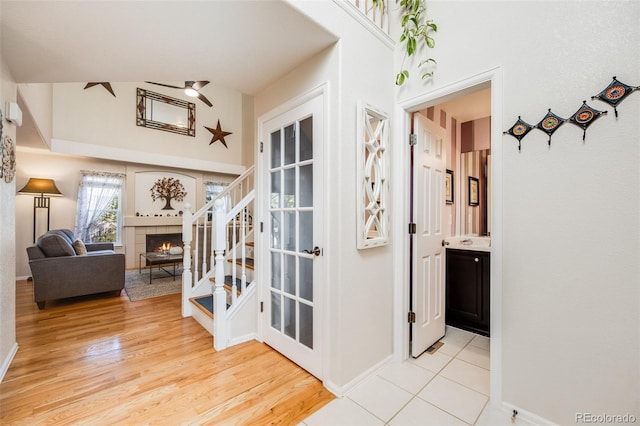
(62,266)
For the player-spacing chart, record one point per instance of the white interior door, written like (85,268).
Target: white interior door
(293,305)
(428,296)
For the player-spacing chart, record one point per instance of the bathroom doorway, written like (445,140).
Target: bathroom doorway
(456,216)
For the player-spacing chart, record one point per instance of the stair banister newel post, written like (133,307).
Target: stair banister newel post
(219,295)
(187,231)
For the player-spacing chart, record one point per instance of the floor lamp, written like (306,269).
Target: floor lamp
(43,189)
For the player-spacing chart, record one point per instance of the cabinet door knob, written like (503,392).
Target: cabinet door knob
(476,260)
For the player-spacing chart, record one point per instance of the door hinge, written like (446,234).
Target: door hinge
(261,307)
(261,147)
(412,228)
(412,317)
(413,139)
(261,226)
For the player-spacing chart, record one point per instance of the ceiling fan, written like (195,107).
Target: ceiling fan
(191,88)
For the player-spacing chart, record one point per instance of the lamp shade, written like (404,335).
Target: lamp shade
(40,186)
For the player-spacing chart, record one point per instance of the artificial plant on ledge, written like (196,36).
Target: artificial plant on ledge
(417,29)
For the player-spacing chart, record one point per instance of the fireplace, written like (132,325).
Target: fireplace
(163,242)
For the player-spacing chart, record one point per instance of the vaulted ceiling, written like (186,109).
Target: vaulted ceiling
(241,44)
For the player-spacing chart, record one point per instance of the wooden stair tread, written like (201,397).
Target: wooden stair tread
(228,283)
(249,262)
(200,307)
(249,244)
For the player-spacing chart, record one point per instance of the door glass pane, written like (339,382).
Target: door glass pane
(290,274)
(276,230)
(289,230)
(276,270)
(289,144)
(306,139)
(306,279)
(275,149)
(275,189)
(276,311)
(306,231)
(306,325)
(306,186)
(290,317)
(289,188)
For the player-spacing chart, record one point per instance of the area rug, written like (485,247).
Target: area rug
(137,284)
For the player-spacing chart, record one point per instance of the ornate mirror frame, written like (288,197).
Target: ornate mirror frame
(149,104)
(372,224)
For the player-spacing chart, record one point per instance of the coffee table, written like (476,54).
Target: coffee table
(161,260)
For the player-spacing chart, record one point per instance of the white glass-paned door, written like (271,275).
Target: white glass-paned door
(294,234)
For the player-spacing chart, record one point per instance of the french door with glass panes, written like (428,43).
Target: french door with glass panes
(292,298)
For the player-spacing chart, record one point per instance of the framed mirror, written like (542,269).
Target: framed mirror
(156,111)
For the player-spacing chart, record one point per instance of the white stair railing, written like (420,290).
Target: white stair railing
(211,235)
(376,12)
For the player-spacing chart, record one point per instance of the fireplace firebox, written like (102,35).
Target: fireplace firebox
(160,243)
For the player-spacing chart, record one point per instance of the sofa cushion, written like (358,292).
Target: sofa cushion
(80,248)
(54,245)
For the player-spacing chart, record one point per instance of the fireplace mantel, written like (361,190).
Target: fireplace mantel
(133,221)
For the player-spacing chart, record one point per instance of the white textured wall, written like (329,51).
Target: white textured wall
(359,282)
(571,276)
(7,237)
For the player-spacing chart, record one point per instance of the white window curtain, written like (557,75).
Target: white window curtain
(212,189)
(95,193)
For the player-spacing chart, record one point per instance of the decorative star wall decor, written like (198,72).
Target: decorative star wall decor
(104,84)
(218,134)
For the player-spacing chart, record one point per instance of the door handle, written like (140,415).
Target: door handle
(316,251)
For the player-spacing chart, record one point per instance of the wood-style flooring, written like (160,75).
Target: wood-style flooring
(103,360)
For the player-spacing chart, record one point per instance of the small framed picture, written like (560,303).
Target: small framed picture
(473,191)
(448,187)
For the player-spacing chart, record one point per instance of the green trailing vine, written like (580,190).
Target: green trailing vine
(417,31)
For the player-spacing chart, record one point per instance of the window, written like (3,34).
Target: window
(99,214)
(212,189)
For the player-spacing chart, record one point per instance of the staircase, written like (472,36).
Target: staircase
(218,284)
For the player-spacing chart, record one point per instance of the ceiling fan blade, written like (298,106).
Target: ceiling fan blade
(199,84)
(204,99)
(165,85)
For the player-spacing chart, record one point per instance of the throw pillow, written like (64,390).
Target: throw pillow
(53,245)
(80,248)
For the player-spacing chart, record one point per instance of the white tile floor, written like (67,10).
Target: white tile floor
(448,387)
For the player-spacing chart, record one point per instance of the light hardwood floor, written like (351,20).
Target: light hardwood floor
(103,360)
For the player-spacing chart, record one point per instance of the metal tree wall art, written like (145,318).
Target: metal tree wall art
(168,189)
(614,93)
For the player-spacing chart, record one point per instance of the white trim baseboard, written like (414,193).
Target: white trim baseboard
(526,416)
(7,361)
(340,391)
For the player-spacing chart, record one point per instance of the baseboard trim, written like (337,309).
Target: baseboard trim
(241,339)
(7,362)
(341,391)
(527,416)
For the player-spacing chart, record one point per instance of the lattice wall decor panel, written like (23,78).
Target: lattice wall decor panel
(372,174)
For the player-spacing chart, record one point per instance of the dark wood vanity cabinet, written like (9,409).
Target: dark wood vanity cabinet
(467,290)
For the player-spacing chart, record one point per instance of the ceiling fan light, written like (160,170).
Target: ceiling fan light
(190,91)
